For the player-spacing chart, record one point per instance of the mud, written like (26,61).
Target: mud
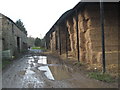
(37,71)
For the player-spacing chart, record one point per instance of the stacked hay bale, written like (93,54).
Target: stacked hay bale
(90,34)
(71,25)
(63,38)
(53,41)
(82,29)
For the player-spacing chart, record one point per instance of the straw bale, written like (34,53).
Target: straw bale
(80,17)
(82,56)
(83,26)
(91,14)
(72,33)
(111,57)
(93,23)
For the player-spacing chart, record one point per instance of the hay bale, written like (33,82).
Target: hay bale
(93,23)
(111,57)
(91,12)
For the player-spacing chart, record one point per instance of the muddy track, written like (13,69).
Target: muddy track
(36,71)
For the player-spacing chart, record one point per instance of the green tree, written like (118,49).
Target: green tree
(31,41)
(20,24)
(38,42)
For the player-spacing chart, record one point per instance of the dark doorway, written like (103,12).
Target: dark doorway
(18,44)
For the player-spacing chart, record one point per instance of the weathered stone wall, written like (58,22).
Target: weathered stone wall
(0,41)
(10,36)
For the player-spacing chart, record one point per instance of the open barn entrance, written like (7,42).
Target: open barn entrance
(18,44)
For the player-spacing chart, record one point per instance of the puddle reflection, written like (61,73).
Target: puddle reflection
(28,71)
(47,72)
(60,72)
(52,69)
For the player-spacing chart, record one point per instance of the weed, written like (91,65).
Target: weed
(101,76)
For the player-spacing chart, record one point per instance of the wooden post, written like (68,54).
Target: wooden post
(103,38)
(66,40)
(78,53)
(59,40)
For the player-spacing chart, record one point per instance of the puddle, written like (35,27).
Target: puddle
(30,81)
(31,59)
(28,71)
(35,50)
(61,72)
(47,72)
(52,69)
(56,72)
(42,61)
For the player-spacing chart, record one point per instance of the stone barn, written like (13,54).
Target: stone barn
(77,33)
(14,41)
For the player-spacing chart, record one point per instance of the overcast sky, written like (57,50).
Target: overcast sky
(38,16)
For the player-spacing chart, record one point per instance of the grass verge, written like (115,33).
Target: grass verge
(101,76)
(38,48)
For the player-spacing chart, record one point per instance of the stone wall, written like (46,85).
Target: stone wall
(0,43)
(13,38)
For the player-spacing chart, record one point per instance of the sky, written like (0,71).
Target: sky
(38,16)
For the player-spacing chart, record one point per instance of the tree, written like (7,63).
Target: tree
(20,24)
(38,42)
(31,41)
(42,43)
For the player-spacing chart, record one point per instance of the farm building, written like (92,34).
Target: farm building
(77,33)
(14,41)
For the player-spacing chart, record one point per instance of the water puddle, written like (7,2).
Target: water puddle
(56,72)
(42,61)
(60,72)
(47,72)
(28,71)
(52,69)
(31,59)
(30,79)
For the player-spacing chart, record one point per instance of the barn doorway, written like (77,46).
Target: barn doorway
(18,44)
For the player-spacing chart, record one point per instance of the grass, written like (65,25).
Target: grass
(101,76)
(5,63)
(38,48)
(35,47)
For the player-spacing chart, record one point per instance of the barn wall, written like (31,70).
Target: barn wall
(13,38)
(89,30)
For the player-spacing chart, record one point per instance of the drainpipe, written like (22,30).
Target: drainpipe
(103,38)
(78,55)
